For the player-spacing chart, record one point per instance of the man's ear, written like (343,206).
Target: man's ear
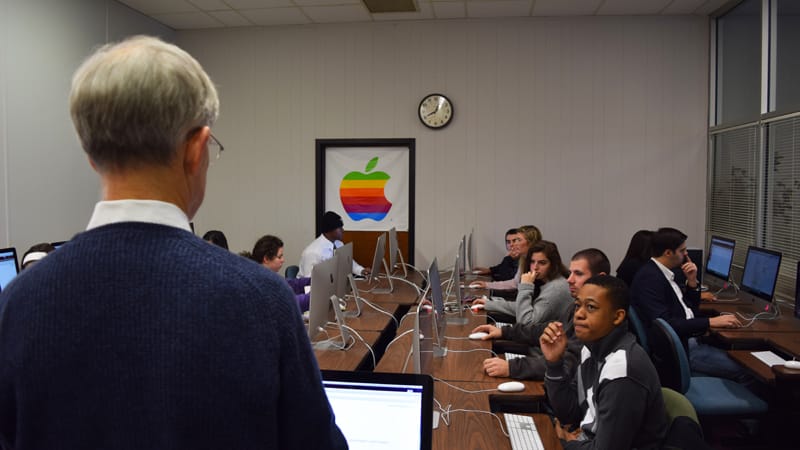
(195,151)
(619,316)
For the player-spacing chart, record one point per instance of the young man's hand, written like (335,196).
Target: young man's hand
(496,367)
(553,342)
(493,332)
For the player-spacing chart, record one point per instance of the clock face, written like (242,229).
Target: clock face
(435,111)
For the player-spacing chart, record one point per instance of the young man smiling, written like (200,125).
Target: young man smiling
(615,395)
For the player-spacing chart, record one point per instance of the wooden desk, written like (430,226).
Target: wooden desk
(788,343)
(354,358)
(403,293)
(370,319)
(473,430)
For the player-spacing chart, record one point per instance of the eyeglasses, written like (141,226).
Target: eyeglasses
(214,143)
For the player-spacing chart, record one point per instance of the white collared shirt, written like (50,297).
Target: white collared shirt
(148,211)
(671,278)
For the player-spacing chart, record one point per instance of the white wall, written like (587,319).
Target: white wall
(47,189)
(590,128)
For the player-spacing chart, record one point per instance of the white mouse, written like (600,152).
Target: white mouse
(478,335)
(511,386)
(478,306)
(474,286)
(792,365)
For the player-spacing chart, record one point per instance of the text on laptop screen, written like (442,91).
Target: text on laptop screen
(8,268)
(374,416)
(720,257)
(761,272)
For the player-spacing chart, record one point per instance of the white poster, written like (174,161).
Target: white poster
(368,187)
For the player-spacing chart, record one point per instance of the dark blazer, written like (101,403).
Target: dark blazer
(653,297)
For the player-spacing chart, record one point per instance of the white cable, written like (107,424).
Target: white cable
(396,338)
(462,389)
(473,350)
(445,415)
(374,361)
(382,311)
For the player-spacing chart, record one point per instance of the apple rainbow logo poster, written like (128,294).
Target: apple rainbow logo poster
(362,193)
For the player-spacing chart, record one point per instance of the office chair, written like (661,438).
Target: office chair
(291,272)
(638,328)
(683,427)
(710,396)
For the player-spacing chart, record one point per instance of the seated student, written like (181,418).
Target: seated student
(543,292)
(526,236)
(638,253)
(322,248)
(508,265)
(584,265)
(217,238)
(655,294)
(35,253)
(268,252)
(615,395)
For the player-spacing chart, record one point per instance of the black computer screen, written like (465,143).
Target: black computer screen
(761,272)
(720,257)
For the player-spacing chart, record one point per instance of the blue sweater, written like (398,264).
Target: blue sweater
(137,335)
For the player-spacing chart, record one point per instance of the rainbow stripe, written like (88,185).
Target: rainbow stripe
(364,198)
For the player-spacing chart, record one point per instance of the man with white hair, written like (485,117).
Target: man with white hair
(136,333)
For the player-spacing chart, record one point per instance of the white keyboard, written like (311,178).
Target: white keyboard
(522,433)
(510,356)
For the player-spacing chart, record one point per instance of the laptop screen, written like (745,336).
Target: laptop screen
(8,266)
(380,411)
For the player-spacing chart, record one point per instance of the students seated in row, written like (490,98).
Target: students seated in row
(584,264)
(655,294)
(615,396)
(217,238)
(527,235)
(321,249)
(268,252)
(637,255)
(543,292)
(508,265)
(36,253)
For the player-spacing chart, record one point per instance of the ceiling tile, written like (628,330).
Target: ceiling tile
(276,16)
(231,18)
(565,7)
(188,21)
(210,5)
(151,7)
(710,6)
(331,14)
(683,7)
(425,12)
(632,7)
(499,8)
(258,4)
(449,10)
(328,3)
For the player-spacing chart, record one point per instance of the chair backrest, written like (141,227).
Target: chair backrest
(638,328)
(677,405)
(669,357)
(291,272)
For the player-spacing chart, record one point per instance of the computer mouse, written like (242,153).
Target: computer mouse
(475,286)
(478,335)
(511,386)
(476,272)
(795,365)
(427,307)
(478,306)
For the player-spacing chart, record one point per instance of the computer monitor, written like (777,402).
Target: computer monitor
(760,274)
(720,258)
(461,255)
(470,252)
(377,263)
(458,318)
(344,267)
(58,243)
(323,286)
(9,267)
(440,323)
(422,341)
(378,411)
(797,292)
(395,255)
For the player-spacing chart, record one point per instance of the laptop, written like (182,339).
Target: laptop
(382,411)
(9,267)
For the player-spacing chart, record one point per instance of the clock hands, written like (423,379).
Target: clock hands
(438,105)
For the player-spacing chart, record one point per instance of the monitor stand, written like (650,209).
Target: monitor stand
(330,344)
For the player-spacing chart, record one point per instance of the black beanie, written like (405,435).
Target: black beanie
(331,221)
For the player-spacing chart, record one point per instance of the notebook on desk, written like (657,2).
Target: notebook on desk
(381,411)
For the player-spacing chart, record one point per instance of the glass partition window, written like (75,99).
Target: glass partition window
(787,64)
(739,64)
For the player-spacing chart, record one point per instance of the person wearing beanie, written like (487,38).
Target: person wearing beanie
(36,253)
(322,248)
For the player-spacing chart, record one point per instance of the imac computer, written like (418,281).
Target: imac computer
(344,282)
(323,296)
(377,263)
(459,318)
(760,274)
(461,256)
(9,267)
(439,321)
(422,347)
(395,255)
(470,252)
(718,264)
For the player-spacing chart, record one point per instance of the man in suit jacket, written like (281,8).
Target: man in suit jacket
(655,294)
